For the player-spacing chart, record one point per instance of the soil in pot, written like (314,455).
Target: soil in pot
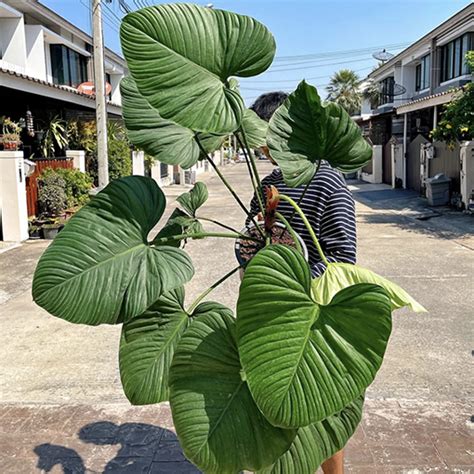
(249,248)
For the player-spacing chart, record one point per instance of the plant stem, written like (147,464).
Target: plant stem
(252,160)
(201,235)
(308,226)
(228,186)
(220,224)
(257,186)
(195,303)
(290,229)
(290,220)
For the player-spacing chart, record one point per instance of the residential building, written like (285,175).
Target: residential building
(414,85)
(44,58)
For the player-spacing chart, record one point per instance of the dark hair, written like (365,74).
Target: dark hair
(266,104)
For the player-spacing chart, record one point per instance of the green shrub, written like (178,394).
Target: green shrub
(120,160)
(77,185)
(52,198)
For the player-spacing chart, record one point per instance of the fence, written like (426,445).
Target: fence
(32,181)
(447,161)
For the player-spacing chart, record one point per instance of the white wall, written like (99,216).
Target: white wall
(35,52)
(12,42)
(115,83)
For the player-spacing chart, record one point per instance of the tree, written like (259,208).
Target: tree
(343,89)
(457,120)
(371,92)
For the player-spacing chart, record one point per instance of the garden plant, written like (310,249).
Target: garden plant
(277,387)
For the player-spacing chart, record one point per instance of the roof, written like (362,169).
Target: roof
(452,22)
(429,101)
(70,90)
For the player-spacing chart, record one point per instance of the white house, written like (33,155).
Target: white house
(44,58)
(414,85)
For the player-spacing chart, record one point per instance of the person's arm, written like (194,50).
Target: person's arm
(254,209)
(337,232)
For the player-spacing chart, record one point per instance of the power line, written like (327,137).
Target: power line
(104,18)
(317,65)
(368,49)
(297,79)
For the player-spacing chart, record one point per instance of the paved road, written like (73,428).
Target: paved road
(61,404)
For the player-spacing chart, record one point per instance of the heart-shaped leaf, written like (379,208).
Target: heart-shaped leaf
(317,442)
(305,361)
(193,199)
(100,268)
(341,275)
(179,56)
(220,428)
(147,346)
(164,139)
(303,132)
(255,129)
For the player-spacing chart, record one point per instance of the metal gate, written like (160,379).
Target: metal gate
(163,170)
(387,163)
(413,163)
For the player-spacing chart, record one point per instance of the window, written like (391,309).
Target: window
(452,57)
(423,73)
(69,68)
(387,89)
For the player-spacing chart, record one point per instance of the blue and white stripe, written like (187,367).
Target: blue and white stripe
(329,207)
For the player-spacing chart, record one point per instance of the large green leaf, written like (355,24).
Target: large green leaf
(346,149)
(341,275)
(182,56)
(303,131)
(220,428)
(255,129)
(147,346)
(317,442)
(164,139)
(193,199)
(167,141)
(100,268)
(305,361)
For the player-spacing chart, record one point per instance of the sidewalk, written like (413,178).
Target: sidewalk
(443,221)
(62,406)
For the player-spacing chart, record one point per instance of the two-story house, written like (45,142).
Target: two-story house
(43,60)
(413,86)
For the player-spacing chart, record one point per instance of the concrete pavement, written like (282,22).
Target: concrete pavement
(61,403)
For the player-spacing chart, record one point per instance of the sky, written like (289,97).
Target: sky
(337,33)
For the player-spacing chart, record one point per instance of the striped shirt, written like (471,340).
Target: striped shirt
(329,207)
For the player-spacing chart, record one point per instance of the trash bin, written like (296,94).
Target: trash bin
(437,190)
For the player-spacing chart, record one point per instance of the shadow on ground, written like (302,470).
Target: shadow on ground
(409,211)
(142,448)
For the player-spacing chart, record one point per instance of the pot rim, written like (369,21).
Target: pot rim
(251,226)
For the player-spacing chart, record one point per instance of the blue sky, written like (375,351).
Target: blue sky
(303,27)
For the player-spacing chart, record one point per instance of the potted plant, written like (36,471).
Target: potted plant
(279,386)
(11,135)
(53,137)
(34,230)
(51,229)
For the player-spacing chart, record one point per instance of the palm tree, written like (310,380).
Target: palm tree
(371,92)
(343,89)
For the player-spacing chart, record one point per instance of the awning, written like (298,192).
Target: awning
(429,101)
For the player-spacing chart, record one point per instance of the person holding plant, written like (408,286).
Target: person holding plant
(326,201)
(330,209)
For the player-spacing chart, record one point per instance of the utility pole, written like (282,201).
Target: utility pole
(100,98)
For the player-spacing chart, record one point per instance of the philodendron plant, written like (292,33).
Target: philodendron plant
(279,386)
